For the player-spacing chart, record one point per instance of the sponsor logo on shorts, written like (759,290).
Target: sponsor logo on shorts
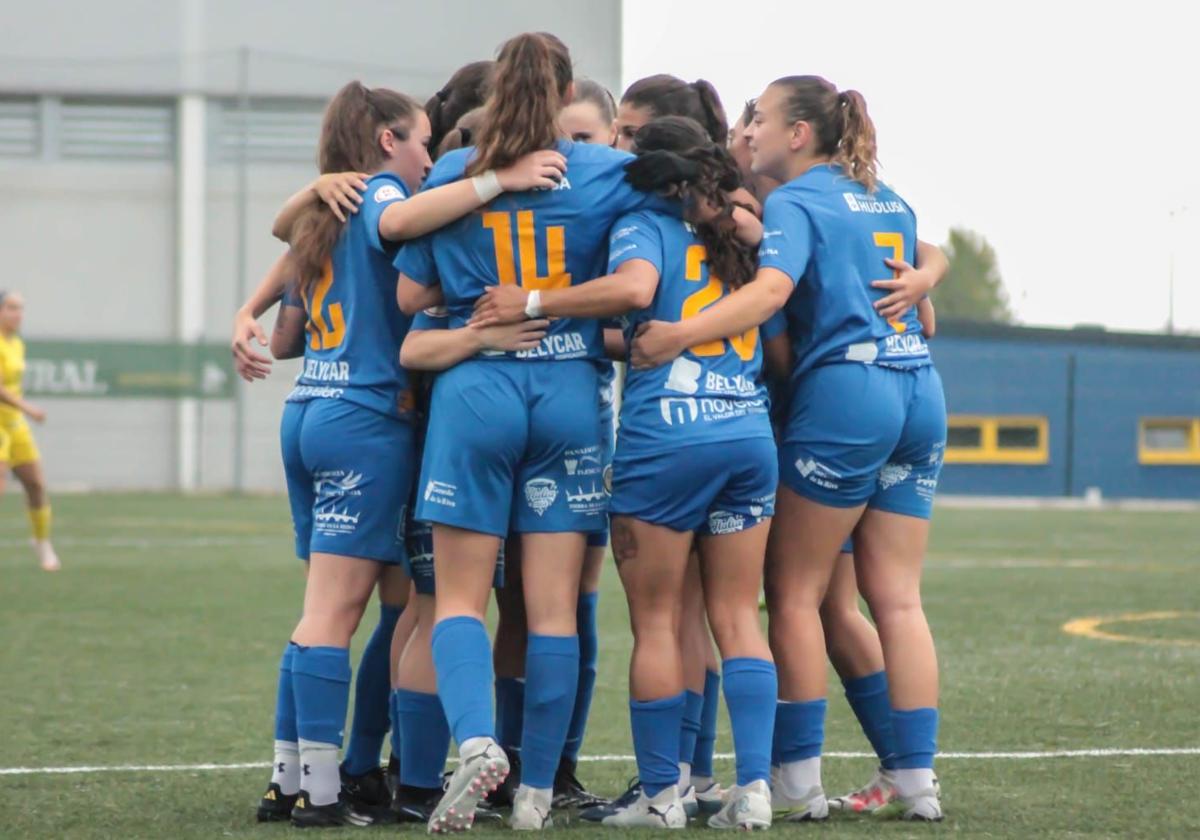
(585,461)
(608,479)
(893,474)
(926,487)
(441,493)
(332,512)
(724,522)
(818,473)
(589,499)
(540,493)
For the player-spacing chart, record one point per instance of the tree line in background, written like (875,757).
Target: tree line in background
(973,289)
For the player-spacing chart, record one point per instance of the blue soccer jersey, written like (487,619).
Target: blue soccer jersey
(830,236)
(355,328)
(541,239)
(713,391)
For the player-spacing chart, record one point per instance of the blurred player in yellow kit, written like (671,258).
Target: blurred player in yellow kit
(18,451)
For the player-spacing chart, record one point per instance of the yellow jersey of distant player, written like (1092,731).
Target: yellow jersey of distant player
(12,371)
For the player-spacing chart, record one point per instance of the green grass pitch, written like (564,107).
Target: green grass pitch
(159,640)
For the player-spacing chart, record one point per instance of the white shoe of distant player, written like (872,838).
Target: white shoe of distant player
(924,807)
(810,806)
(662,811)
(531,809)
(710,797)
(746,808)
(46,556)
(869,798)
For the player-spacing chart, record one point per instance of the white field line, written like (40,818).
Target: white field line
(1134,752)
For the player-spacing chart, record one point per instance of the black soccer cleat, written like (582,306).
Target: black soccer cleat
(416,805)
(275,805)
(569,792)
(597,813)
(368,794)
(339,813)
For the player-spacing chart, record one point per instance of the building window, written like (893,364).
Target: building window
(1169,440)
(20,127)
(974,439)
(119,129)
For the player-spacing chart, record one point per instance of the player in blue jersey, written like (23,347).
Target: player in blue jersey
(864,440)
(664,95)
(503,428)
(695,456)
(850,638)
(346,435)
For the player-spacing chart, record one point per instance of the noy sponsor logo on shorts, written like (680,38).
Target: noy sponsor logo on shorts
(724,522)
(334,512)
(441,493)
(540,493)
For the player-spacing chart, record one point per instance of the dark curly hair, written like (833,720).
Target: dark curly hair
(677,155)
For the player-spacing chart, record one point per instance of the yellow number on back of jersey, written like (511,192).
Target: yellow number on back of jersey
(744,344)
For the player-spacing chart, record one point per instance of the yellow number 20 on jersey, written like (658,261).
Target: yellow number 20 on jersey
(696,302)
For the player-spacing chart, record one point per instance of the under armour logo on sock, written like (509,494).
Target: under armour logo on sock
(281,767)
(304,769)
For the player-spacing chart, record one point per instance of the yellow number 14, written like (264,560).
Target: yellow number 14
(501,226)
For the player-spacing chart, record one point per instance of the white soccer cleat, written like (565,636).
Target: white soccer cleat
(746,808)
(710,797)
(875,794)
(531,809)
(924,807)
(476,776)
(810,806)
(46,556)
(662,811)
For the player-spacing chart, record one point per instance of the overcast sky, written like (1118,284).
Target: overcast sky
(1064,132)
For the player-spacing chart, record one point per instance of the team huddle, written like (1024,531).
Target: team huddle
(452,434)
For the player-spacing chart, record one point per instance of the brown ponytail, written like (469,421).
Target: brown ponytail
(856,150)
(533,72)
(840,121)
(354,120)
(676,153)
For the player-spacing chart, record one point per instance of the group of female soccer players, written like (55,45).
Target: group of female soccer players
(451,432)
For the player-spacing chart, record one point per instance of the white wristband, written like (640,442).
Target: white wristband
(487,186)
(533,305)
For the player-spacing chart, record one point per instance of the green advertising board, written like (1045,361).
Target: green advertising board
(109,370)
